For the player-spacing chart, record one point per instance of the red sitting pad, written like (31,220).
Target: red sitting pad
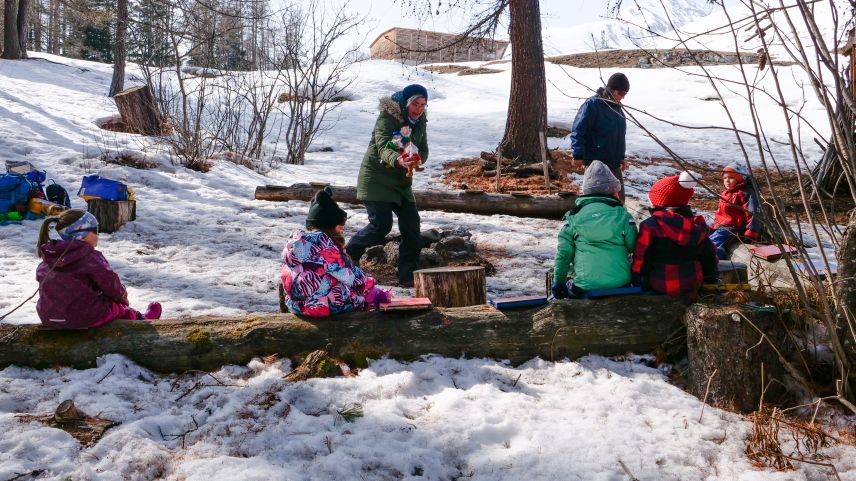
(407,304)
(772,252)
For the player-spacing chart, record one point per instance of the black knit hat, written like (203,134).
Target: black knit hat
(618,81)
(324,212)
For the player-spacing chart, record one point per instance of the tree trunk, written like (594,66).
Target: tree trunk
(23,25)
(847,291)
(139,110)
(37,26)
(118,83)
(728,359)
(527,103)
(473,202)
(451,286)
(568,328)
(112,214)
(11,46)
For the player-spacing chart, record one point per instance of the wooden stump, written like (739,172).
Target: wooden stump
(139,110)
(731,272)
(112,214)
(727,356)
(451,286)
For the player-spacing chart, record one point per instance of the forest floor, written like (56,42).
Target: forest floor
(468,173)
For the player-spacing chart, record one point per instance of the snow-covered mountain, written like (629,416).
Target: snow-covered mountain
(633,26)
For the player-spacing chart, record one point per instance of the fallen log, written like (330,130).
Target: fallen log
(476,202)
(568,328)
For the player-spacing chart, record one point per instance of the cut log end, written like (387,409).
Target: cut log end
(451,286)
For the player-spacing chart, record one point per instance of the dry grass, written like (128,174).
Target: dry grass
(764,445)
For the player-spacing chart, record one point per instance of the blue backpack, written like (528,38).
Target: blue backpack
(14,195)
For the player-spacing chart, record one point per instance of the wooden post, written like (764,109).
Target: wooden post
(112,214)
(139,110)
(451,286)
(498,169)
(544,160)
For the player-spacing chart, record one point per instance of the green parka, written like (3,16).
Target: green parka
(597,238)
(381,179)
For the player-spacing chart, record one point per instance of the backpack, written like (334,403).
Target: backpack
(14,195)
(57,194)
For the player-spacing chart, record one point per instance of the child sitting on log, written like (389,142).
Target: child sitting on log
(736,218)
(318,277)
(597,238)
(77,288)
(673,254)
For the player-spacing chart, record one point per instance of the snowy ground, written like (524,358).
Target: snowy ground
(435,419)
(202,245)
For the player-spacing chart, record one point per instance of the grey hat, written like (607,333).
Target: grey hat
(598,179)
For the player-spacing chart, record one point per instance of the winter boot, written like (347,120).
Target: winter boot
(153,311)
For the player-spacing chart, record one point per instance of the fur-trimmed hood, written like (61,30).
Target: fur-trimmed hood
(389,106)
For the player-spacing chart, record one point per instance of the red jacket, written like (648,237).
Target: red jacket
(81,289)
(673,253)
(737,210)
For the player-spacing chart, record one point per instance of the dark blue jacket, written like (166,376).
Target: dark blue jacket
(598,131)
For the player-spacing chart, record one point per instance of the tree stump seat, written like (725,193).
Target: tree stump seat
(112,214)
(459,286)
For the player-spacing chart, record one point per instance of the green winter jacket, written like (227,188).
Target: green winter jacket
(381,180)
(597,238)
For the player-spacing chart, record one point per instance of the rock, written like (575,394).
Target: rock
(390,250)
(450,244)
(430,236)
(457,231)
(374,255)
(429,258)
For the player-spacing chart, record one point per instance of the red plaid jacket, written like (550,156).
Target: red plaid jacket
(673,253)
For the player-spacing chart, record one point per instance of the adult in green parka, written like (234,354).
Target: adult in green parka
(383,184)
(597,239)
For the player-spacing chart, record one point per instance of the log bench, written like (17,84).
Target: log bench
(560,329)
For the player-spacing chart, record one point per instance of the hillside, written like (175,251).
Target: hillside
(202,245)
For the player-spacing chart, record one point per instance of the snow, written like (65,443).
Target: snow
(202,245)
(433,419)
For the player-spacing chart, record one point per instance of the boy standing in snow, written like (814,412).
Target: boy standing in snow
(673,254)
(597,238)
(736,216)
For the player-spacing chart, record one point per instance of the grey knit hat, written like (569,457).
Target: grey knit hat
(598,179)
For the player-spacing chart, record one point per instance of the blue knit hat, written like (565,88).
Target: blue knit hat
(413,90)
(79,228)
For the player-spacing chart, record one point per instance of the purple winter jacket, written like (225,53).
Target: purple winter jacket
(81,291)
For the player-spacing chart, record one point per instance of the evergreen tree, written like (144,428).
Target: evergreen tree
(148,42)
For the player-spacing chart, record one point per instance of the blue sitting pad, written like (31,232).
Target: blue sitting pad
(618,291)
(522,301)
(806,270)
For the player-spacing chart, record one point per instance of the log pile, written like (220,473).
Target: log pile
(568,328)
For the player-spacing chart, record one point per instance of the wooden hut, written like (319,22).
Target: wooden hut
(423,46)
